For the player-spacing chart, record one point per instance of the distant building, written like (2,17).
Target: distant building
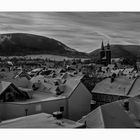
(105,54)
(5,67)
(41,120)
(138,65)
(22,79)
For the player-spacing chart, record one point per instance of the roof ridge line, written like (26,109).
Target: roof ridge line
(102,117)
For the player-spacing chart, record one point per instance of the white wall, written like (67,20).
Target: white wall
(79,103)
(11,111)
(14,110)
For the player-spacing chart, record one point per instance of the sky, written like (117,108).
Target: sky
(83,31)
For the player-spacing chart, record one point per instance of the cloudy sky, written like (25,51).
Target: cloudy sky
(82,31)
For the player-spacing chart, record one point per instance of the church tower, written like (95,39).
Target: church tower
(102,51)
(108,54)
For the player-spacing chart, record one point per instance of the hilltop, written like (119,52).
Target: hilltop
(13,44)
(21,44)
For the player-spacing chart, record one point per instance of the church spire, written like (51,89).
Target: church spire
(102,46)
(108,46)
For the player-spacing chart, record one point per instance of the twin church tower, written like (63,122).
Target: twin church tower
(105,54)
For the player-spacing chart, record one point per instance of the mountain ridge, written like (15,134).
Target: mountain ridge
(26,44)
(21,44)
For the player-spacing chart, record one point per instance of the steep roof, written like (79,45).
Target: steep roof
(71,83)
(94,119)
(5,85)
(111,115)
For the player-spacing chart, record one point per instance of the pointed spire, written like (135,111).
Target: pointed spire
(102,46)
(108,46)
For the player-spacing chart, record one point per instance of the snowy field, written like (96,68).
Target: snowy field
(44,56)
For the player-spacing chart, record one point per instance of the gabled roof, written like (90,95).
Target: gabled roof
(23,74)
(120,86)
(111,115)
(46,91)
(50,87)
(3,86)
(94,119)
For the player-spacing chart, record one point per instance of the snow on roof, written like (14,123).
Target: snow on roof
(10,63)
(71,84)
(23,74)
(111,65)
(115,116)
(41,120)
(3,86)
(19,68)
(111,115)
(116,71)
(37,78)
(128,70)
(47,90)
(94,119)
(104,57)
(65,76)
(120,86)
(135,90)
(37,70)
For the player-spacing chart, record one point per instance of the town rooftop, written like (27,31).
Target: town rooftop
(41,120)
(120,86)
(111,115)
(40,96)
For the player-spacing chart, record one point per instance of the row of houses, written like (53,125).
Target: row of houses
(123,113)
(119,111)
(26,95)
(118,84)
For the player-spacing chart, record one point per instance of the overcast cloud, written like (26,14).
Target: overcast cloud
(82,31)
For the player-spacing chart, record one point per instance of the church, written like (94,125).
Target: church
(105,54)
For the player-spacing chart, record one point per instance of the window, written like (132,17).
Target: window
(61,109)
(38,107)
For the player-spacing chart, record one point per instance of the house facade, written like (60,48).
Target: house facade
(73,104)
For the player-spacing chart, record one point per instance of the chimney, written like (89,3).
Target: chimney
(126,105)
(58,115)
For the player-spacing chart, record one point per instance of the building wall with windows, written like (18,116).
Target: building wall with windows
(74,105)
(13,110)
(105,98)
